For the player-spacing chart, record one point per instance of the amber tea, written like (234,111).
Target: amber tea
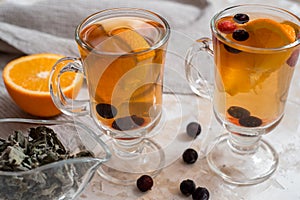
(250,88)
(122,53)
(125,79)
(255,51)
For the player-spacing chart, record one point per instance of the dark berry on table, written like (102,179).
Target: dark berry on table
(238,112)
(187,187)
(128,123)
(226,26)
(190,156)
(144,183)
(240,35)
(106,111)
(250,121)
(292,61)
(200,193)
(193,129)
(231,49)
(241,18)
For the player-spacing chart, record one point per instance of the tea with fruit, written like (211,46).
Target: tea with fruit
(124,71)
(251,82)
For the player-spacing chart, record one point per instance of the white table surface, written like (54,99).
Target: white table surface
(284,184)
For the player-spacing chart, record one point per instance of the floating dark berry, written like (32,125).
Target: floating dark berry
(106,111)
(240,35)
(292,61)
(193,129)
(187,187)
(238,112)
(231,50)
(190,156)
(138,120)
(250,121)
(226,26)
(144,183)
(128,123)
(241,18)
(200,193)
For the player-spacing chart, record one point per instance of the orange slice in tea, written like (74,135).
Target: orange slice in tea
(131,72)
(267,33)
(263,33)
(126,73)
(26,80)
(135,41)
(236,80)
(294,26)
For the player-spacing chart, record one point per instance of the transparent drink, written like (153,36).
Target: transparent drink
(125,80)
(252,82)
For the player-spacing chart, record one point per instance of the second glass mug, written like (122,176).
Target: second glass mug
(122,56)
(255,51)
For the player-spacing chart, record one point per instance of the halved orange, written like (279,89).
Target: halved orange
(26,80)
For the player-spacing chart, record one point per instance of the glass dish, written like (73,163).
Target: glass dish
(64,179)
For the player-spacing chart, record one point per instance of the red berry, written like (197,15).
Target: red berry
(226,26)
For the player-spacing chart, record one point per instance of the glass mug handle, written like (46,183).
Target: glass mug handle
(64,104)
(199,67)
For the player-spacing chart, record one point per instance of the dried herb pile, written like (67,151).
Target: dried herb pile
(42,146)
(21,153)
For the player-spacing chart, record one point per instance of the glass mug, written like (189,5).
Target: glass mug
(122,55)
(255,50)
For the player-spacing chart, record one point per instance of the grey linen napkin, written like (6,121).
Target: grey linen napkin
(48,25)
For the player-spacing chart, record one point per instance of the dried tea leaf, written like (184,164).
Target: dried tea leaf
(15,155)
(42,146)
